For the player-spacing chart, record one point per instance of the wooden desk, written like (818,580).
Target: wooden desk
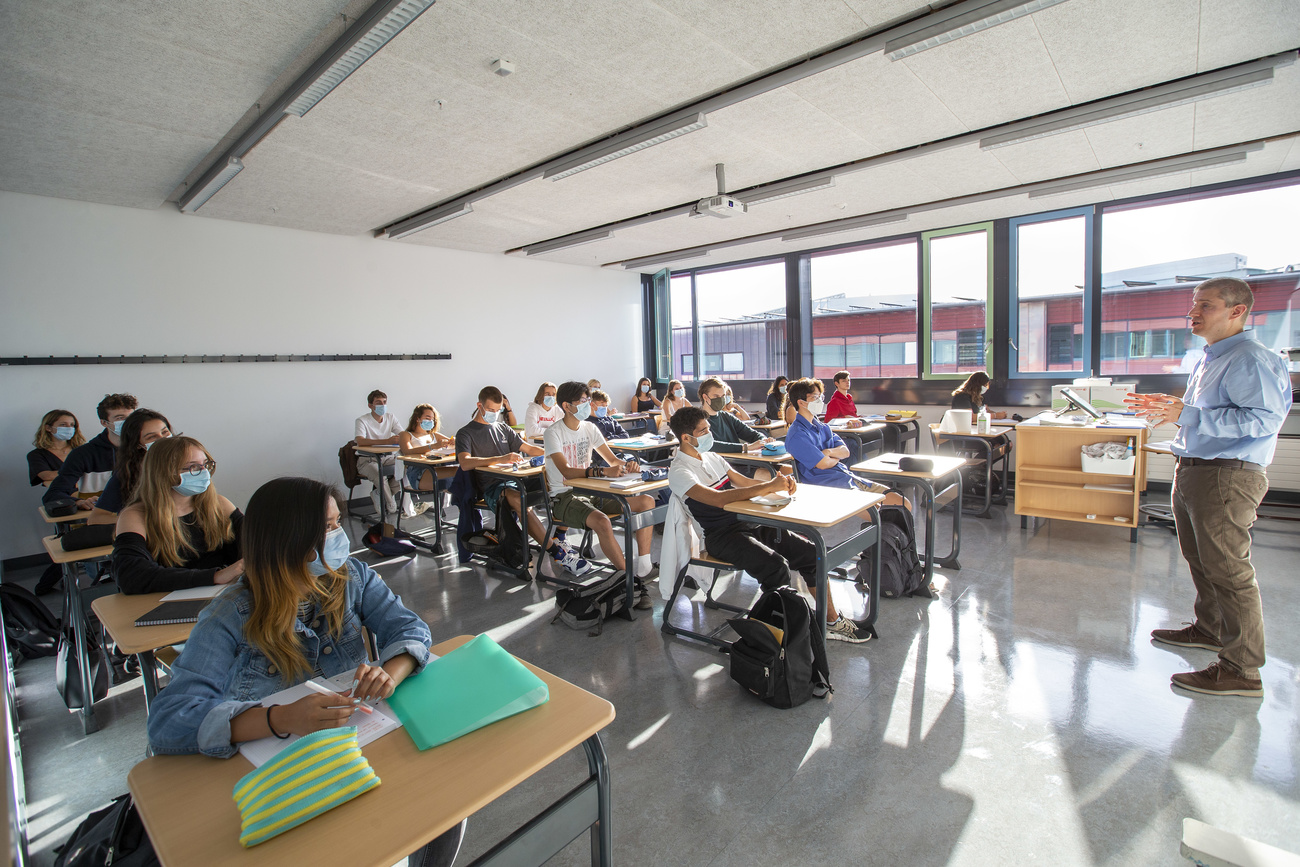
(638,420)
(74,609)
(816,508)
(932,484)
(1050,479)
(905,430)
(991,447)
(757,459)
(772,428)
(118,613)
(518,477)
(60,523)
(433,462)
(632,521)
(647,450)
(191,818)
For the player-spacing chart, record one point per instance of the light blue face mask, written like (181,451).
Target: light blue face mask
(782,389)
(116,427)
(679,393)
(65,433)
(491,417)
(602,411)
(380,408)
(337,548)
(583,411)
(548,401)
(426,423)
(192,485)
(704,443)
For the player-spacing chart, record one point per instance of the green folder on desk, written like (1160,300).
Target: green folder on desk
(475,685)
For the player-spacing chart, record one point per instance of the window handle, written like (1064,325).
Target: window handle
(1013,344)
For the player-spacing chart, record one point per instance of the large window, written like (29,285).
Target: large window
(738,329)
(864,311)
(683,333)
(956,299)
(1049,268)
(1154,255)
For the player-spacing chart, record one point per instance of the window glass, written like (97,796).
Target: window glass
(864,311)
(683,335)
(1049,275)
(957,289)
(742,320)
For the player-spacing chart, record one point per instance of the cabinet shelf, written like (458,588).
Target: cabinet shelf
(1104,520)
(1064,471)
(1072,486)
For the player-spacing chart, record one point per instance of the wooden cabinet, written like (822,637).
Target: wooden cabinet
(1050,481)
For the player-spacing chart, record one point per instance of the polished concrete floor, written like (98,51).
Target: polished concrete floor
(1023,717)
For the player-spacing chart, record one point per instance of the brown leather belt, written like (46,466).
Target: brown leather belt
(1220,462)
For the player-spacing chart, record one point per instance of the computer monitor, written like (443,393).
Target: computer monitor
(1082,404)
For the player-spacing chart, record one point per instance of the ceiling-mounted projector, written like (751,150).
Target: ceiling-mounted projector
(721,206)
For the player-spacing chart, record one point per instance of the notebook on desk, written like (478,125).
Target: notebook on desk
(183,611)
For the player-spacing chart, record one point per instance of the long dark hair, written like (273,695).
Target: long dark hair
(776,383)
(130,453)
(973,387)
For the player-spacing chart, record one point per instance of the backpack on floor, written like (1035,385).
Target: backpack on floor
(780,656)
(67,674)
(510,539)
(114,835)
(902,572)
(30,628)
(587,606)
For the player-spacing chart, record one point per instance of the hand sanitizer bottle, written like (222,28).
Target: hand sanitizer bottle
(984,421)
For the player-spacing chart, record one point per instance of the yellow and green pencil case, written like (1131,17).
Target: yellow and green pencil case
(313,774)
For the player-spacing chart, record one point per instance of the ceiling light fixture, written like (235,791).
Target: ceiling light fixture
(844,226)
(772,192)
(962,20)
(665,258)
(421,222)
(568,241)
(215,180)
(628,143)
(1156,169)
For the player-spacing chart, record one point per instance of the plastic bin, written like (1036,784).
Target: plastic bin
(1111,466)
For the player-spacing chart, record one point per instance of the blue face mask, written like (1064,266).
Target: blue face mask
(679,393)
(782,389)
(491,417)
(116,427)
(583,411)
(380,409)
(548,401)
(64,433)
(426,423)
(704,443)
(192,485)
(602,411)
(337,548)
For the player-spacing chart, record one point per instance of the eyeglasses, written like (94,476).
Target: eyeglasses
(197,469)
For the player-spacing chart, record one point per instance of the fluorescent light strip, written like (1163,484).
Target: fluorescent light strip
(1137,104)
(566,242)
(621,147)
(665,258)
(348,59)
(418,224)
(192,202)
(844,226)
(964,23)
(784,191)
(1189,163)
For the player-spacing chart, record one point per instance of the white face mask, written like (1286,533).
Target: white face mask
(984,390)
(491,417)
(817,407)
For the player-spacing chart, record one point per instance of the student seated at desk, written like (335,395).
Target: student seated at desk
(706,483)
(296,614)
(730,434)
(423,435)
(569,446)
(674,400)
(594,385)
(542,412)
(970,394)
(775,397)
(177,531)
(609,427)
(56,437)
(841,404)
(142,429)
(487,440)
(378,428)
(87,468)
(789,412)
(644,400)
(734,408)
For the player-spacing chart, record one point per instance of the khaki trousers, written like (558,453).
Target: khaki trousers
(1214,509)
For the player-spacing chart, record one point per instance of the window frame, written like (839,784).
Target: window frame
(1088,212)
(923,318)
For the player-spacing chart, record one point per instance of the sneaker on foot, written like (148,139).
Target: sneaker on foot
(1218,679)
(643,601)
(1189,636)
(845,629)
(575,565)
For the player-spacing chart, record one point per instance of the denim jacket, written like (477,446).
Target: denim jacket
(220,674)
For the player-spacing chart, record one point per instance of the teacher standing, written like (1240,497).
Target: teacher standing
(1237,397)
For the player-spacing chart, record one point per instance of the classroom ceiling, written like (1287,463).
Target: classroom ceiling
(122,103)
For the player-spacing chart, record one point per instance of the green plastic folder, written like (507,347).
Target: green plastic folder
(475,685)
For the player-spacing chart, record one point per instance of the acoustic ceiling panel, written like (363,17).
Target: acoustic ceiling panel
(1264,111)
(1042,159)
(1237,30)
(1144,137)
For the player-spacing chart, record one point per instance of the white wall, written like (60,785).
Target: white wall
(87,279)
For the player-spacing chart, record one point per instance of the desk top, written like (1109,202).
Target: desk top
(868,427)
(429,460)
(757,457)
(604,486)
(888,465)
(812,506)
(54,547)
(187,808)
(991,435)
(118,613)
(376,450)
(78,515)
(635,444)
(770,426)
(509,472)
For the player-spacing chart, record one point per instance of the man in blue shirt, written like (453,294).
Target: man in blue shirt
(1237,397)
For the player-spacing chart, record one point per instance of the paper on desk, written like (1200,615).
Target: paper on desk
(444,451)
(370,727)
(630,480)
(208,592)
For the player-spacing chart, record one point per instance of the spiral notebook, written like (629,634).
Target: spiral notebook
(184,611)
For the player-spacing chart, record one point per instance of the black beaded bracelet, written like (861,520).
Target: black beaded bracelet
(271,727)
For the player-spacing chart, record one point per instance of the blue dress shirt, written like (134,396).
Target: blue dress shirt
(805,442)
(1236,400)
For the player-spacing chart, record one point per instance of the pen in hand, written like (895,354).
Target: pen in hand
(347,702)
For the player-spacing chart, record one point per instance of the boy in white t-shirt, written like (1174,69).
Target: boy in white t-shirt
(378,428)
(568,445)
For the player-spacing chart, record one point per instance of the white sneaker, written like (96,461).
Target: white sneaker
(576,566)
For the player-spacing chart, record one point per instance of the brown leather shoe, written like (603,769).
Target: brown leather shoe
(1218,679)
(1189,636)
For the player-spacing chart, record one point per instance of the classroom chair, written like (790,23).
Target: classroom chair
(667,627)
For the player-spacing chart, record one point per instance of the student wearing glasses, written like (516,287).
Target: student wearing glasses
(542,412)
(141,430)
(177,531)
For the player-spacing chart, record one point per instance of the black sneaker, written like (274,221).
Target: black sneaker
(848,630)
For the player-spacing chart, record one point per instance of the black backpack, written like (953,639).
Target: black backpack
(586,606)
(903,573)
(114,835)
(783,671)
(30,629)
(503,545)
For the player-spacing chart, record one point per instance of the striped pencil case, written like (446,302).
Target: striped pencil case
(312,775)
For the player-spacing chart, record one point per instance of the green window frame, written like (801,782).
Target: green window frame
(925,319)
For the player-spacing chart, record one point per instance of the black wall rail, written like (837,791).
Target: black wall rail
(27,360)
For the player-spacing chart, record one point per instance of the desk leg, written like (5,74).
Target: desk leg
(824,577)
(930,508)
(75,613)
(437,513)
(602,833)
(149,674)
(629,555)
(950,561)
(988,478)
(873,586)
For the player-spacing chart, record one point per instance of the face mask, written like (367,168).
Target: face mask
(548,401)
(817,407)
(426,423)
(64,433)
(336,553)
(679,393)
(149,444)
(380,409)
(191,485)
(645,388)
(782,389)
(984,390)
(116,427)
(491,417)
(583,411)
(704,443)
(602,411)
(717,403)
